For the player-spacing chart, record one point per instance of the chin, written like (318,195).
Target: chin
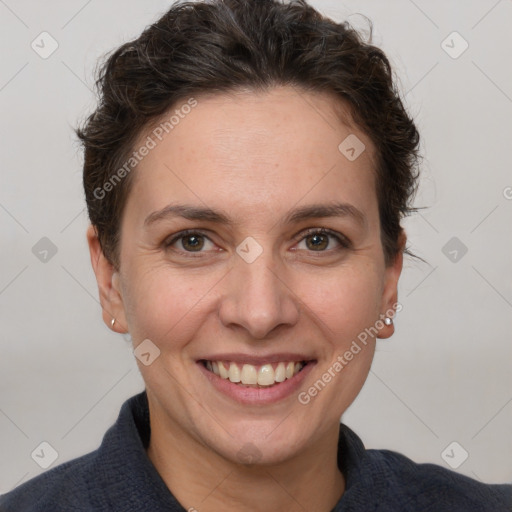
(266,443)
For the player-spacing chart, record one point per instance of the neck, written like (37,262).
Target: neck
(201,479)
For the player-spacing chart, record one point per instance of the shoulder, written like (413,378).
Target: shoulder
(426,486)
(118,475)
(69,486)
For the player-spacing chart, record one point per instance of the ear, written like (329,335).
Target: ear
(108,284)
(390,291)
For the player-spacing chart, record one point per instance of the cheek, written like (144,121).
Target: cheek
(346,300)
(162,303)
(344,303)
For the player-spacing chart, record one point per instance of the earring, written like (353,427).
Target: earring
(113,322)
(387,321)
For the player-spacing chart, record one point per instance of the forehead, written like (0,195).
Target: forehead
(254,153)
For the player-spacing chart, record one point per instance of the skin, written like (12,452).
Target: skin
(256,156)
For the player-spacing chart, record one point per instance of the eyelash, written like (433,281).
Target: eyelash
(341,239)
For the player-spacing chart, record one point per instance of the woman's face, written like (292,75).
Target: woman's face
(256,288)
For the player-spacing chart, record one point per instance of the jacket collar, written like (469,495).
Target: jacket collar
(132,477)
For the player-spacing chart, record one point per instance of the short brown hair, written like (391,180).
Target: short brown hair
(216,46)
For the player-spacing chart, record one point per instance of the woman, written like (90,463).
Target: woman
(246,172)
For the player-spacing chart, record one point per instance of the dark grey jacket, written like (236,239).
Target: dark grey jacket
(119,476)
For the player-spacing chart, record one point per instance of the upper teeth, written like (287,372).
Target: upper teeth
(264,375)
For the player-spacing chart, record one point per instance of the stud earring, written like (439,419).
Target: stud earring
(113,322)
(387,321)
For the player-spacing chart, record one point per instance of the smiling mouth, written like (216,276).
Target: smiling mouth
(255,376)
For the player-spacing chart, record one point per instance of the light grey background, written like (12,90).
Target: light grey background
(444,376)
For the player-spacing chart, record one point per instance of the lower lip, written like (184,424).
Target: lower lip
(257,396)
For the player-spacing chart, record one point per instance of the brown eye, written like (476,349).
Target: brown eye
(318,240)
(194,242)
(187,242)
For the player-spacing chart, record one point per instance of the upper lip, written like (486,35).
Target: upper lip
(258,359)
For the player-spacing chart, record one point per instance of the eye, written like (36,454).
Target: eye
(190,241)
(319,239)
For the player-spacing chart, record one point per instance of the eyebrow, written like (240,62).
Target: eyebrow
(313,211)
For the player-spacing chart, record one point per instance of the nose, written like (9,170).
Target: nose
(257,298)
